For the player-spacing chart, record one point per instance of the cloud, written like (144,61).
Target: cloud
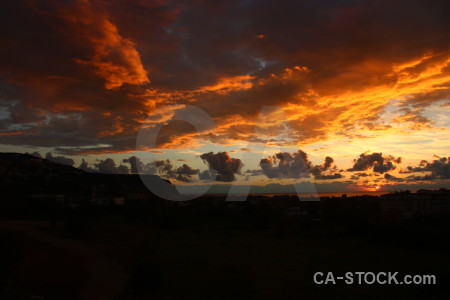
(286,165)
(319,170)
(85,167)
(253,172)
(250,173)
(439,168)
(35,154)
(329,176)
(226,166)
(420,168)
(164,168)
(83,85)
(114,58)
(80,77)
(108,166)
(356,176)
(137,166)
(405,171)
(415,117)
(60,159)
(168,170)
(390,177)
(207,175)
(375,161)
(183,173)
(297,165)
(328,162)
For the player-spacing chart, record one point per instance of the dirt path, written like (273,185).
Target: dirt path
(107,278)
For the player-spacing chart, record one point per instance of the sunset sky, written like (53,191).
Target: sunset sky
(350,95)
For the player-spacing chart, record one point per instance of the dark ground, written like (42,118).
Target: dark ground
(207,251)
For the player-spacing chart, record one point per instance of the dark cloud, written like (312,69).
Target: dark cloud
(183,173)
(330,176)
(420,100)
(85,167)
(356,176)
(382,168)
(108,166)
(253,172)
(286,165)
(35,154)
(68,161)
(375,161)
(390,177)
(137,166)
(207,175)
(164,168)
(405,171)
(225,166)
(414,116)
(168,170)
(328,162)
(422,167)
(297,165)
(123,169)
(439,168)
(250,173)
(77,88)
(85,74)
(319,170)
(421,178)
(59,159)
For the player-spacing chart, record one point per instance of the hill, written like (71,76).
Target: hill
(24,174)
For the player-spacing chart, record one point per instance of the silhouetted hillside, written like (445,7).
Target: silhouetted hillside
(24,174)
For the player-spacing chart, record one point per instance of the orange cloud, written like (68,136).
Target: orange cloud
(310,114)
(11,133)
(114,58)
(227,84)
(85,82)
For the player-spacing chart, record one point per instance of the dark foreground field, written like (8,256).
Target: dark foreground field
(213,253)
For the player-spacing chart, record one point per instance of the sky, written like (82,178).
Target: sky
(347,95)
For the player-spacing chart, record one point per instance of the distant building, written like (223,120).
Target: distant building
(424,202)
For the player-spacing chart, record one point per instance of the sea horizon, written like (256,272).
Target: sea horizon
(302,195)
